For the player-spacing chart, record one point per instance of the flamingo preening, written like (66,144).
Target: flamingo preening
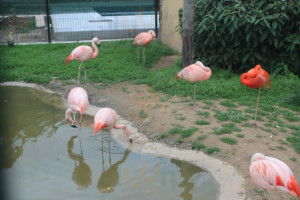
(143,39)
(106,118)
(256,78)
(83,53)
(78,101)
(195,73)
(272,174)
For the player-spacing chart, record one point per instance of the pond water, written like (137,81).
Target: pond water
(45,158)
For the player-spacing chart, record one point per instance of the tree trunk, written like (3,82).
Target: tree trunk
(188,33)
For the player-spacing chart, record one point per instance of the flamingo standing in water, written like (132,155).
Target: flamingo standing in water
(78,101)
(195,73)
(83,53)
(256,78)
(272,174)
(106,118)
(143,39)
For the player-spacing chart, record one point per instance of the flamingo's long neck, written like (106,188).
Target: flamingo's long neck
(68,115)
(95,54)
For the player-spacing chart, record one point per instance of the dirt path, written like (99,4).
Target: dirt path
(154,114)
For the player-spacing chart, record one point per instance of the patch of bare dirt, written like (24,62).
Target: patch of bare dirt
(165,62)
(154,113)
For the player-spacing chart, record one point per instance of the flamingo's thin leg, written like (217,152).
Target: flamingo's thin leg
(257,102)
(78,83)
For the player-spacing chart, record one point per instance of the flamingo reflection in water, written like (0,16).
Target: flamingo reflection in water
(82,174)
(110,177)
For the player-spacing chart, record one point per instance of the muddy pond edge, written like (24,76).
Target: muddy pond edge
(230,181)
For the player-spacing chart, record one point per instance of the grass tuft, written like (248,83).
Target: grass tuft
(229,140)
(178,129)
(202,122)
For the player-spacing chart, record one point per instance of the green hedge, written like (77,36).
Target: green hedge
(237,35)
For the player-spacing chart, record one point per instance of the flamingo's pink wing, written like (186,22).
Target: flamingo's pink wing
(194,73)
(263,174)
(106,117)
(82,53)
(143,39)
(285,177)
(78,99)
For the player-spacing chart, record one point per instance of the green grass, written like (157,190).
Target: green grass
(202,137)
(207,150)
(179,141)
(259,192)
(212,150)
(142,114)
(162,136)
(203,113)
(231,115)
(202,122)
(240,135)
(229,104)
(198,145)
(178,129)
(228,140)
(117,62)
(295,140)
(281,148)
(227,128)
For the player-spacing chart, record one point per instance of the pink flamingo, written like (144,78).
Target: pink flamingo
(78,101)
(272,174)
(195,73)
(143,39)
(106,118)
(83,53)
(256,78)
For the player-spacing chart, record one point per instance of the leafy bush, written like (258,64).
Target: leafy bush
(237,35)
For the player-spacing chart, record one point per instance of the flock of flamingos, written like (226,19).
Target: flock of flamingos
(266,172)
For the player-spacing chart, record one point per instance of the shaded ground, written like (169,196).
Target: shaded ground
(23,29)
(155,114)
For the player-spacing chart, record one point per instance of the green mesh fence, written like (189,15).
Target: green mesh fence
(32,21)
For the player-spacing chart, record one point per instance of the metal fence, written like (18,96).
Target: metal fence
(32,21)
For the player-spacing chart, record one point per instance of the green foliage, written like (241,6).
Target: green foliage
(205,113)
(231,114)
(179,141)
(240,34)
(212,150)
(295,140)
(162,136)
(117,62)
(142,114)
(202,122)
(229,140)
(198,145)
(39,63)
(227,128)
(178,129)
(202,137)
(228,103)
(207,150)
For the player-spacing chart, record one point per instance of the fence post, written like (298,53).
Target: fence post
(156,8)
(48,21)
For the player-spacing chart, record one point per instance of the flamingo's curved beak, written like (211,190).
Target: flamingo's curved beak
(176,77)
(99,44)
